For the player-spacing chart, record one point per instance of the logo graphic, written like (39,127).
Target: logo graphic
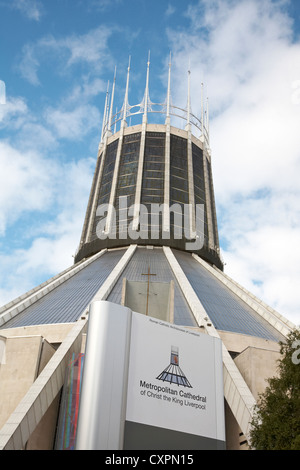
(173,373)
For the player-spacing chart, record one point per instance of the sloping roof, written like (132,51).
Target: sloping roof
(67,301)
(225,309)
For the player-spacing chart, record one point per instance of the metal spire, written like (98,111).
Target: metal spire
(188,118)
(169,91)
(115,127)
(112,102)
(207,121)
(125,105)
(104,113)
(202,113)
(146,97)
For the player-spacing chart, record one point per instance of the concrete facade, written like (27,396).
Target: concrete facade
(256,360)
(23,358)
(30,421)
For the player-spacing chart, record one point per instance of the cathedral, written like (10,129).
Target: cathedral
(148,277)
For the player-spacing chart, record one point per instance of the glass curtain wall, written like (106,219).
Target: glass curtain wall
(199,187)
(179,195)
(106,181)
(153,179)
(126,184)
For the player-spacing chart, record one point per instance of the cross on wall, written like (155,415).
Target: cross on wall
(148,274)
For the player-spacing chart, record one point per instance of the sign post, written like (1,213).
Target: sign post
(149,384)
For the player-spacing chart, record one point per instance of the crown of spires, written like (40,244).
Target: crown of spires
(145,106)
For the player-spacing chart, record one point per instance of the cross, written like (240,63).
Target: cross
(148,274)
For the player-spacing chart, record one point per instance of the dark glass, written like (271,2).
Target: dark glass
(213,207)
(178,182)
(153,172)
(126,184)
(199,187)
(152,195)
(106,181)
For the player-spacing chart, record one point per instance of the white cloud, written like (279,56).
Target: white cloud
(29,64)
(11,112)
(90,48)
(245,54)
(54,238)
(25,183)
(170,10)
(33,135)
(101,5)
(86,89)
(29,132)
(32,9)
(73,124)
(73,187)
(265,260)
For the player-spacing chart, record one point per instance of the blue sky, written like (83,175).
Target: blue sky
(56,57)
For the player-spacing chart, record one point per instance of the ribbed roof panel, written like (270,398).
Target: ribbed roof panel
(66,302)
(225,309)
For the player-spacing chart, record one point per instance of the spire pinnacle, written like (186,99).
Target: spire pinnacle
(112,102)
(125,105)
(202,112)
(169,91)
(146,97)
(207,121)
(188,118)
(104,113)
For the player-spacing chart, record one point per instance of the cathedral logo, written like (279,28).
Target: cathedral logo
(173,373)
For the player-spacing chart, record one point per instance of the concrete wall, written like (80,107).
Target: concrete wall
(256,366)
(43,436)
(256,359)
(53,333)
(236,343)
(32,422)
(24,352)
(22,359)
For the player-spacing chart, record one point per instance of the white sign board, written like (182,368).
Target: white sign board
(175,379)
